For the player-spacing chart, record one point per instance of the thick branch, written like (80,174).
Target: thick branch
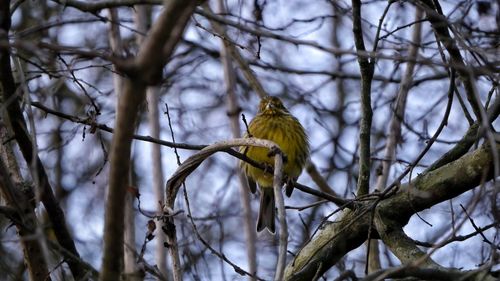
(470,137)
(128,107)
(416,262)
(22,214)
(439,185)
(329,245)
(148,65)
(349,231)
(190,165)
(401,245)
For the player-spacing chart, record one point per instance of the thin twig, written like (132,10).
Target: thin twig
(367,69)
(479,230)
(429,144)
(223,257)
(457,238)
(235,54)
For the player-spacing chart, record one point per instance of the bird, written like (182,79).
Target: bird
(275,123)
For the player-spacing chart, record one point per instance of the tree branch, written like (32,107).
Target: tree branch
(442,274)
(280,205)
(367,68)
(22,214)
(402,246)
(190,165)
(147,68)
(17,123)
(440,26)
(350,230)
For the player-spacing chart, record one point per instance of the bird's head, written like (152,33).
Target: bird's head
(272,105)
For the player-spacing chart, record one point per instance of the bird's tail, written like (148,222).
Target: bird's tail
(266,211)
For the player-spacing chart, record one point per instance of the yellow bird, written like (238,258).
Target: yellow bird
(274,122)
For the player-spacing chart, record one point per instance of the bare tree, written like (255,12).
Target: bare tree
(108,100)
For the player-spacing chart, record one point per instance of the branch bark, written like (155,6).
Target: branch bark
(367,68)
(17,123)
(350,230)
(147,66)
(130,265)
(190,164)
(280,205)
(142,18)
(21,213)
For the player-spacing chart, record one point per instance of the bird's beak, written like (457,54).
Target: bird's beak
(269,106)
